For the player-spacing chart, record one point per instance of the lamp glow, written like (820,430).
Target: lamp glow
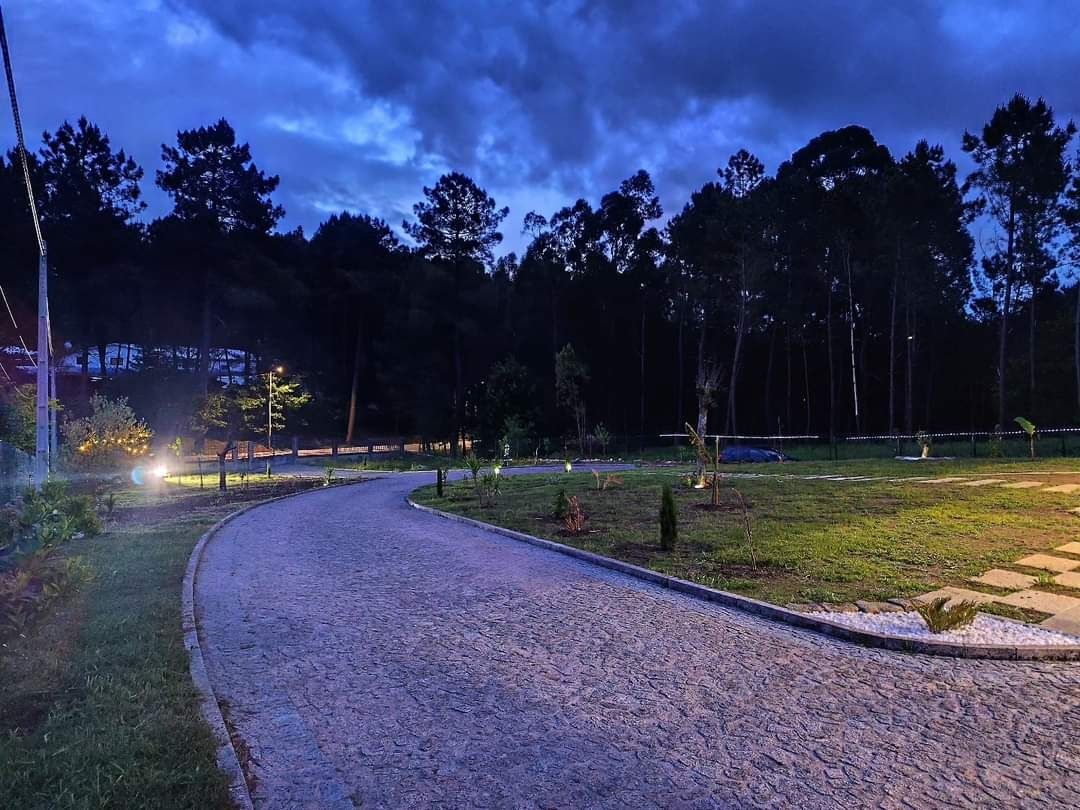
(160,471)
(567,465)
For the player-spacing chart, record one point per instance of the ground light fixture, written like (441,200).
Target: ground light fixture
(497,469)
(567,465)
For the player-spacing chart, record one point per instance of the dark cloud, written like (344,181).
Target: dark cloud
(361,104)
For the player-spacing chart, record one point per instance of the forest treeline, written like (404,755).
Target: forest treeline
(843,294)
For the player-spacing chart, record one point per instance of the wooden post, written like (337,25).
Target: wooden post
(295,448)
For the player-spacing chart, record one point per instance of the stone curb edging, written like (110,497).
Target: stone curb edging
(806,621)
(227,759)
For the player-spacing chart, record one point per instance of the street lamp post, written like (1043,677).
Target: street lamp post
(270,418)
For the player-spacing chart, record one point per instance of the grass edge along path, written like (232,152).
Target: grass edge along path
(97,706)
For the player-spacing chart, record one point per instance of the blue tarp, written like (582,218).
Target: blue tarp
(743,455)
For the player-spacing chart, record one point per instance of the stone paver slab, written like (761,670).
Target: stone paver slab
(1043,602)
(1000,578)
(1023,485)
(1067,622)
(1070,579)
(957,595)
(983,482)
(1066,488)
(1049,562)
(1069,548)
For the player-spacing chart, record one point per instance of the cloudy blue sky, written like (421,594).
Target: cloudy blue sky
(359,105)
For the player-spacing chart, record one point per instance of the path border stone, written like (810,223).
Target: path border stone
(768,610)
(227,759)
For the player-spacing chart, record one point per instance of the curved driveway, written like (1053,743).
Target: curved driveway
(373,655)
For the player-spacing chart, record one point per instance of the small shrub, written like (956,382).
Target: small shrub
(601,436)
(440,478)
(669,523)
(611,481)
(939,616)
(488,488)
(925,442)
(474,466)
(328,476)
(110,435)
(561,506)
(1031,432)
(748,528)
(574,522)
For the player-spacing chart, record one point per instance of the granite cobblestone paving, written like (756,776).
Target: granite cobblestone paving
(373,655)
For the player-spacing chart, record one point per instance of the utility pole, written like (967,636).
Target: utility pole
(41,455)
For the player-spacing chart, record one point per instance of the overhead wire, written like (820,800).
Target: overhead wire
(21,143)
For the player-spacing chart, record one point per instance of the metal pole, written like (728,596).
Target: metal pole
(270,423)
(41,455)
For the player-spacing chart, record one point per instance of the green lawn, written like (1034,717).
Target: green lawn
(97,708)
(815,541)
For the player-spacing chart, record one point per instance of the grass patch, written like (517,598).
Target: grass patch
(815,541)
(97,708)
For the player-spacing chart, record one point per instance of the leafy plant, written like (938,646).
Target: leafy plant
(26,590)
(474,464)
(561,506)
(611,481)
(1029,429)
(669,522)
(574,521)
(1045,579)
(596,478)
(440,478)
(328,476)
(940,616)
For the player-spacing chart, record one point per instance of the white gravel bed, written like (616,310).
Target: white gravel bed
(985,629)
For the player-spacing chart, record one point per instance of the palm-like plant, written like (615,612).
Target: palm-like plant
(1029,429)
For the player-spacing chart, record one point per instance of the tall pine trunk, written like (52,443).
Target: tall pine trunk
(769,422)
(806,384)
(1004,325)
(459,393)
(832,368)
(1031,355)
(641,384)
(203,372)
(680,381)
(789,392)
(740,328)
(354,389)
(1076,346)
(851,339)
(892,342)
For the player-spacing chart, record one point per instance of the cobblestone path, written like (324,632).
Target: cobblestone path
(371,655)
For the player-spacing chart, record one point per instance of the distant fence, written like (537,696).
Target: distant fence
(1052,442)
(16,472)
